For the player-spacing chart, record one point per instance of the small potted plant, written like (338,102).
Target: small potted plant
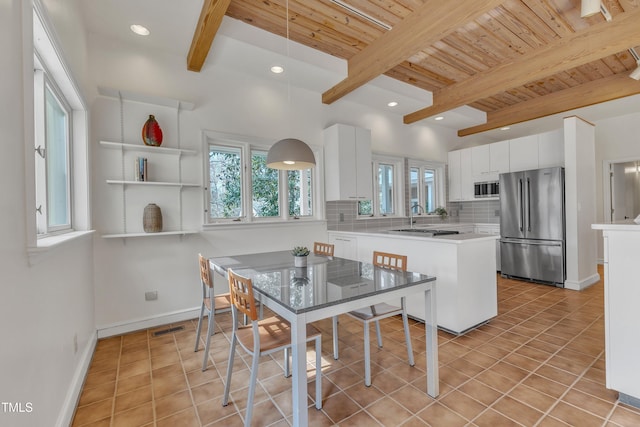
(300,256)
(442,212)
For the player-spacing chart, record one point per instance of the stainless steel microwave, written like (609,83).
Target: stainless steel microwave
(486,189)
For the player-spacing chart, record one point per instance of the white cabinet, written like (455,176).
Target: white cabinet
(523,153)
(493,229)
(460,175)
(499,155)
(347,156)
(345,245)
(481,163)
(551,149)
(489,161)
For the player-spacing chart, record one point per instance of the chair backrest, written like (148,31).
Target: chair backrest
(392,261)
(320,248)
(241,290)
(205,271)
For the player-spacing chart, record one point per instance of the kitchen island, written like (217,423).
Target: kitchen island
(464,265)
(621,315)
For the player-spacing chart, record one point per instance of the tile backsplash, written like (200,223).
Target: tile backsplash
(343,216)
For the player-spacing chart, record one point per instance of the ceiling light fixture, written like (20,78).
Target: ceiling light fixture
(276,69)
(392,104)
(439,118)
(591,7)
(290,153)
(505,128)
(635,74)
(140,30)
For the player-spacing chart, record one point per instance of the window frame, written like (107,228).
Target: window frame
(439,177)
(46,52)
(247,145)
(43,83)
(398,186)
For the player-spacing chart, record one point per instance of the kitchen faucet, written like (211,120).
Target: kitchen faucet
(411,213)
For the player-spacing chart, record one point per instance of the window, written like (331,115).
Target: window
(52,154)
(426,188)
(387,183)
(59,195)
(239,178)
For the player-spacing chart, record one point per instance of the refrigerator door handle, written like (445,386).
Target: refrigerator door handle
(521,203)
(530,242)
(528,205)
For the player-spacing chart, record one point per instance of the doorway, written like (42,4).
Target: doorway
(622,180)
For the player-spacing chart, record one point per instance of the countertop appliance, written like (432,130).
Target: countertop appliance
(532,225)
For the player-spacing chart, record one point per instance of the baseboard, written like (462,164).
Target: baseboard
(148,322)
(582,284)
(75,388)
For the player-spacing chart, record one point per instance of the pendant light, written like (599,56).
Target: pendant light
(589,8)
(290,153)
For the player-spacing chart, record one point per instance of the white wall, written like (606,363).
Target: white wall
(43,304)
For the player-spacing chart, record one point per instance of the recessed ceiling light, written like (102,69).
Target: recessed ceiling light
(276,69)
(505,128)
(439,118)
(392,104)
(139,30)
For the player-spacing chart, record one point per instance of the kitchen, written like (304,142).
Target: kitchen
(82,274)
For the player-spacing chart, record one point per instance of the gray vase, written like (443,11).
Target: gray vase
(152,218)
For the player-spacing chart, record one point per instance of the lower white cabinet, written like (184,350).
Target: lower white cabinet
(345,245)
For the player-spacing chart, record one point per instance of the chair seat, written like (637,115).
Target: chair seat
(221,302)
(381,310)
(274,332)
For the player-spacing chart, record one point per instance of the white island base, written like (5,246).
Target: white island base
(621,309)
(464,266)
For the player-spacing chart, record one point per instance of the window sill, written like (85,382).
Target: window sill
(45,245)
(262,224)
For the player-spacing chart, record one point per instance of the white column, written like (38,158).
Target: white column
(580,203)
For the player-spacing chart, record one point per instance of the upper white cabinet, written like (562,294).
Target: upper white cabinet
(486,162)
(460,175)
(480,163)
(347,155)
(523,153)
(551,149)
(489,161)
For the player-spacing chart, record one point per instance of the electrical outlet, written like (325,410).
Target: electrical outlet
(75,343)
(151,295)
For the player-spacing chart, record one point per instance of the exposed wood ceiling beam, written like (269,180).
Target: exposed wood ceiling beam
(210,18)
(595,92)
(429,23)
(580,48)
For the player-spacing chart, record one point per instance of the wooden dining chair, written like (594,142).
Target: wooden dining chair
(212,304)
(261,337)
(325,249)
(377,312)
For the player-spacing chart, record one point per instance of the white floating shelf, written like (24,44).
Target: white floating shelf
(147,99)
(152,183)
(142,147)
(162,233)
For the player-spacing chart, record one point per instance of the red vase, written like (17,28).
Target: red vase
(151,132)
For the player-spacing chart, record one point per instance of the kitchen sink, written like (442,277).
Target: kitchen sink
(424,231)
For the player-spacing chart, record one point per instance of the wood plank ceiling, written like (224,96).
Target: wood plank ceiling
(516,60)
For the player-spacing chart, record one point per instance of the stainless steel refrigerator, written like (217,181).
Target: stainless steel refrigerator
(532,225)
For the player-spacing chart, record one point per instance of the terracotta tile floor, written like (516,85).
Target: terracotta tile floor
(539,363)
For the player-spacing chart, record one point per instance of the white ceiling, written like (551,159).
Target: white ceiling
(251,50)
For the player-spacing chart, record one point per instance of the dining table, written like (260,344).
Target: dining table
(327,287)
